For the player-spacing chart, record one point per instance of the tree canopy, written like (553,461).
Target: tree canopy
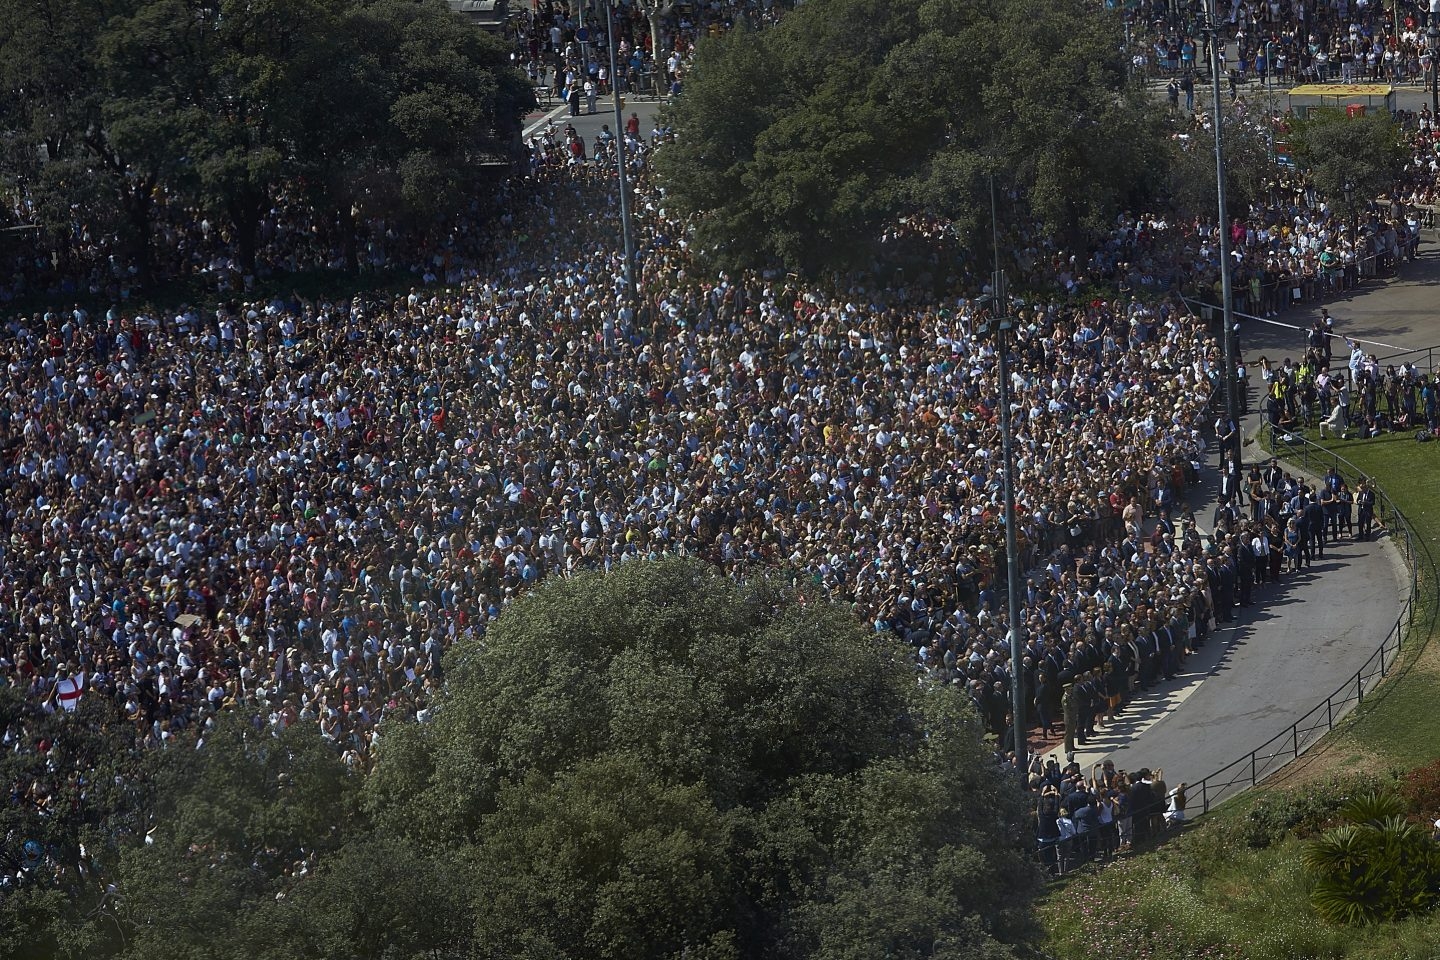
(1351,160)
(652,763)
(224,107)
(659,762)
(801,143)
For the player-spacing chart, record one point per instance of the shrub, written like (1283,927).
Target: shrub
(1374,868)
(1302,812)
(1188,901)
(1420,788)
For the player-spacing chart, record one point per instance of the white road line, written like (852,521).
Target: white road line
(543,121)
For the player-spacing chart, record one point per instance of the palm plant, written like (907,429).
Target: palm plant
(1377,867)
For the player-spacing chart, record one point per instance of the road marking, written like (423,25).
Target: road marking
(543,121)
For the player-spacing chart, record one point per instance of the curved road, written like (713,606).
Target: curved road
(1304,638)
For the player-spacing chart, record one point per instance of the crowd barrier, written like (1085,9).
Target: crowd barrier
(1422,358)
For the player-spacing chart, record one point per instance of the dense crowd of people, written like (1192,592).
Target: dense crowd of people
(1287,40)
(651,57)
(1269,526)
(1292,247)
(297,506)
(300,505)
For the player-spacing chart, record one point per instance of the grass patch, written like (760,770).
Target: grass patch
(1232,887)
(1398,725)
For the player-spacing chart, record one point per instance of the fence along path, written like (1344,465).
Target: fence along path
(1292,665)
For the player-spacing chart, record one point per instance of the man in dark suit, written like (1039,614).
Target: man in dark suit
(1244,560)
(1225,517)
(1141,800)
(1230,482)
(1274,474)
(1145,644)
(1229,581)
(1164,650)
(1315,523)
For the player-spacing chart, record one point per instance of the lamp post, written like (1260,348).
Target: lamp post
(1432,37)
(1226,293)
(1000,317)
(584,37)
(620,161)
(1270,97)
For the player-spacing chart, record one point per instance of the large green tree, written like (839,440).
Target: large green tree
(76,794)
(653,763)
(1190,170)
(406,110)
(236,825)
(110,109)
(1351,160)
(660,763)
(801,143)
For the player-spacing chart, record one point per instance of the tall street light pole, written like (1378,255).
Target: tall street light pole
(1270,96)
(1229,458)
(584,36)
(1432,35)
(624,176)
(1000,316)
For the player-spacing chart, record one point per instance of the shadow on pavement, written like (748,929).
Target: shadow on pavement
(1214,656)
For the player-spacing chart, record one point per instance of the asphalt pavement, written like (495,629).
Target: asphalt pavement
(587,125)
(1307,637)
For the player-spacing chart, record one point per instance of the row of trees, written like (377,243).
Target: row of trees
(353,107)
(807,139)
(800,145)
(656,763)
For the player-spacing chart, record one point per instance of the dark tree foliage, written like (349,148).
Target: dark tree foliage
(654,763)
(1351,160)
(223,106)
(800,144)
(659,761)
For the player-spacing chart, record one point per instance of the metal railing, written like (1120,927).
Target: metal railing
(1294,740)
(1421,358)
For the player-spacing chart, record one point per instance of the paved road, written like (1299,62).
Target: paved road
(1268,669)
(587,125)
(1312,633)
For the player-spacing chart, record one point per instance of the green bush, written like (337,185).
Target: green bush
(1376,867)
(1184,901)
(1302,812)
